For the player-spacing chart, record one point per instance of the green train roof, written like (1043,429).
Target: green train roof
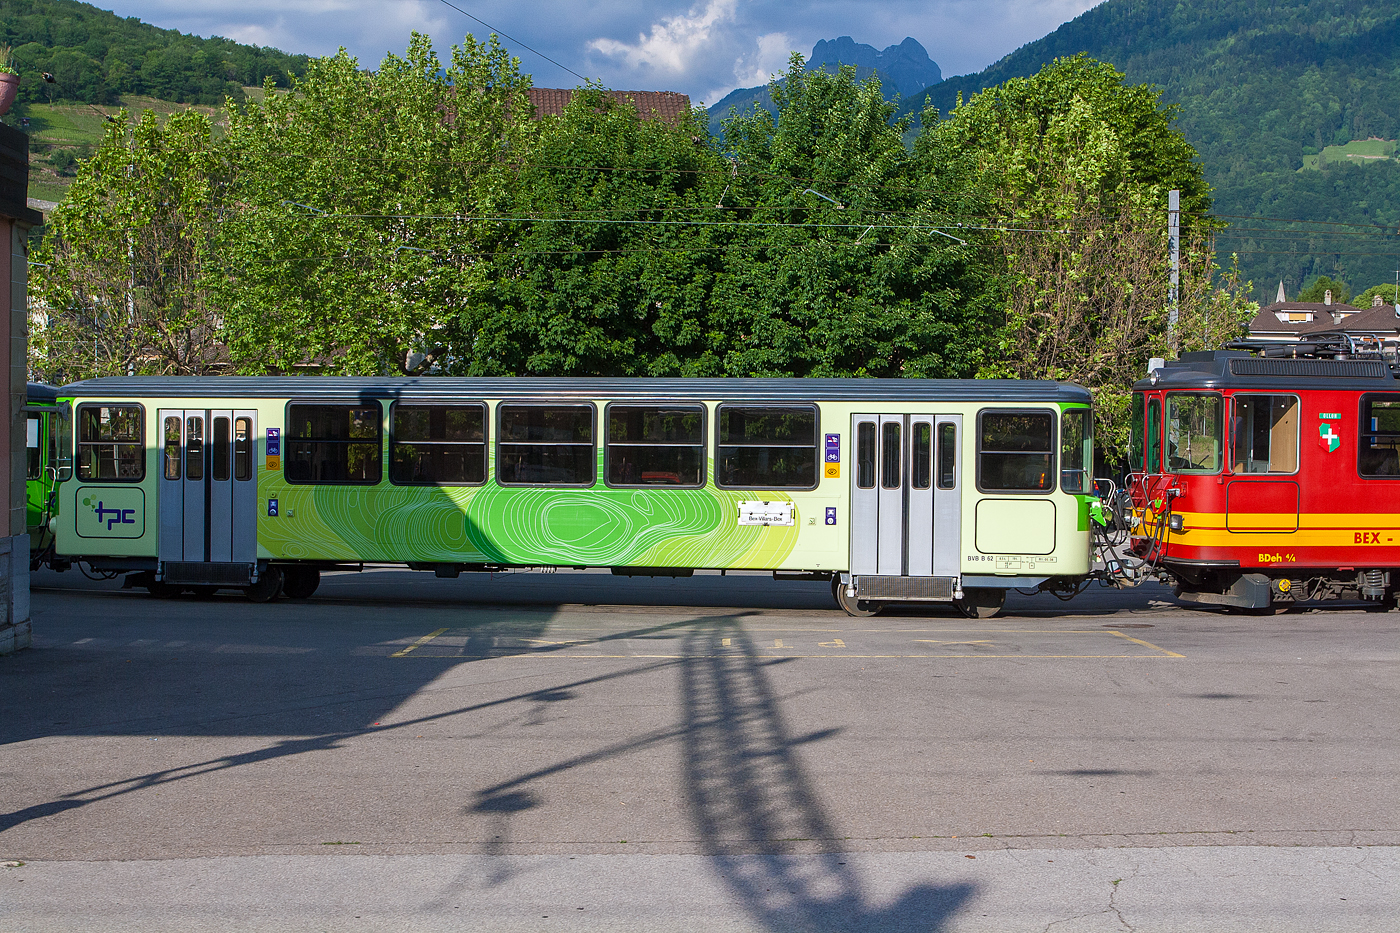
(447,388)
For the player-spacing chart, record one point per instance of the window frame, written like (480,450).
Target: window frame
(1052,473)
(1223,456)
(1297,436)
(495,472)
(464,403)
(701,407)
(816,411)
(1088,469)
(79,443)
(1362,435)
(288,440)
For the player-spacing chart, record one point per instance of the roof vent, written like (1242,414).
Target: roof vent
(1327,297)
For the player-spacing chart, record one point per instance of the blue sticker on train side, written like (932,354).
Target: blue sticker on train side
(271,508)
(831,515)
(833,451)
(274,442)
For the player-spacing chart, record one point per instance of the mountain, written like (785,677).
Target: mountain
(96,56)
(1293,105)
(903,69)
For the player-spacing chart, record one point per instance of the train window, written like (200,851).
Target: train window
(111,444)
(891,455)
(242,448)
(33,449)
(223,464)
(865,455)
(1152,435)
(1194,434)
(545,445)
(1264,434)
(1016,450)
(194,448)
(333,445)
(921,454)
(1135,433)
(171,449)
(438,445)
(1379,438)
(655,445)
(1076,451)
(766,447)
(947,455)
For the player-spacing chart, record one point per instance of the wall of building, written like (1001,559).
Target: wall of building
(16,219)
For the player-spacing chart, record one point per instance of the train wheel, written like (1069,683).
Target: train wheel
(268,586)
(300,582)
(859,608)
(982,603)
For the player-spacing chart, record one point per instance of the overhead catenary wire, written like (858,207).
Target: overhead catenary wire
(515,40)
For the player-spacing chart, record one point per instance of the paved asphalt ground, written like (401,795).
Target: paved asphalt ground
(581,752)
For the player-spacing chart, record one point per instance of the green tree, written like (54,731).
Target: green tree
(122,280)
(611,269)
(1075,167)
(1388,293)
(365,214)
(1317,290)
(840,260)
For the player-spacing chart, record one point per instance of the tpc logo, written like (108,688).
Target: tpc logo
(111,513)
(112,516)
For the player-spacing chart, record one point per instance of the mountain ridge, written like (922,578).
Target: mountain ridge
(903,69)
(1262,90)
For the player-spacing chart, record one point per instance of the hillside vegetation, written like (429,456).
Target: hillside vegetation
(1264,89)
(96,57)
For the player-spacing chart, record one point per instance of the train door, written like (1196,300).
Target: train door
(208,496)
(906,512)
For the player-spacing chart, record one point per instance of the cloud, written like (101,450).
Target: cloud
(704,48)
(771,57)
(673,42)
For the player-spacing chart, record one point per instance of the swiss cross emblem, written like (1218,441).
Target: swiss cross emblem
(1327,438)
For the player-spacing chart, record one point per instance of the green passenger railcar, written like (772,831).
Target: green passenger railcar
(942,490)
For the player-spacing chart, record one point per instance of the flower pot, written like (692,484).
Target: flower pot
(9,87)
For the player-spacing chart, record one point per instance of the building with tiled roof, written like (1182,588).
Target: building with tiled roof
(1288,320)
(670,106)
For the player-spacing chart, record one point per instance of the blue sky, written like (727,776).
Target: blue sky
(704,48)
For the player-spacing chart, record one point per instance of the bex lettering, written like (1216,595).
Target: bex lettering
(1367,537)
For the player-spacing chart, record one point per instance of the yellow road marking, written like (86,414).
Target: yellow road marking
(777,643)
(1146,644)
(834,643)
(418,644)
(726,642)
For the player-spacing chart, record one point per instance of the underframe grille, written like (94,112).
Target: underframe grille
(891,587)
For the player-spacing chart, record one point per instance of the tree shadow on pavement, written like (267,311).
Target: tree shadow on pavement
(749,800)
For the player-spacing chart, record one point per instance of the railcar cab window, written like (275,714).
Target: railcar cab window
(655,445)
(1076,451)
(766,447)
(1194,433)
(1264,434)
(333,445)
(437,445)
(111,445)
(1379,437)
(1016,450)
(34,464)
(545,445)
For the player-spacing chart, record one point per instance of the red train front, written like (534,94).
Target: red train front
(1260,481)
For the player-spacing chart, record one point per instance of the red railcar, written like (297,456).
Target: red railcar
(1259,481)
